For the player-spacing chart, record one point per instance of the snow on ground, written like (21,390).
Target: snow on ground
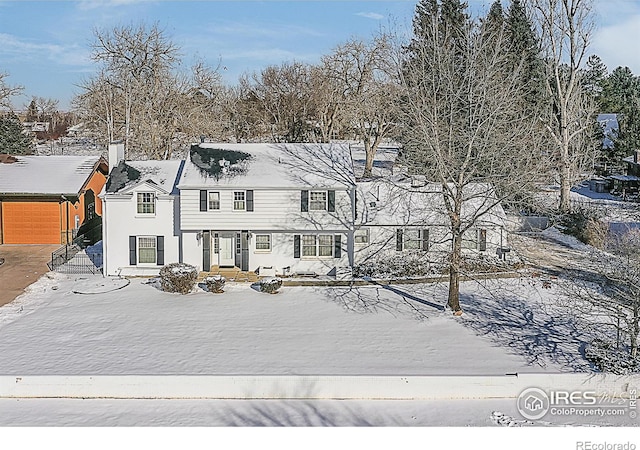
(137,329)
(213,413)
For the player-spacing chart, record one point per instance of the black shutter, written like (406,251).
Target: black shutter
(296,246)
(337,247)
(331,196)
(425,239)
(249,201)
(133,251)
(304,201)
(399,240)
(206,251)
(160,250)
(203,200)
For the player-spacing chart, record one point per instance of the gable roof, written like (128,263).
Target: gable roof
(162,175)
(267,166)
(46,175)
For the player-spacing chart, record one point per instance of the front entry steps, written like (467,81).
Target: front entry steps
(231,274)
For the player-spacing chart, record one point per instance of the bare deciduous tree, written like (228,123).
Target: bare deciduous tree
(363,77)
(565,30)
(7,91)
(466,127)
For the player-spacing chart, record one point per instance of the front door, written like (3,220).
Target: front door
(226,255)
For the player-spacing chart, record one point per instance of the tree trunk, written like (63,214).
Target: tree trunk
(454,270)
(565,186)
(634,332)
(368,163)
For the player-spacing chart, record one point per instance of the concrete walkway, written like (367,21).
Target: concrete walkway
(23,264)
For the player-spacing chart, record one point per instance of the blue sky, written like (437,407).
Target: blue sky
(44,45)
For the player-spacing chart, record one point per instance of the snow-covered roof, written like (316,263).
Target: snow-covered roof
(161,174)
(609,124)
(267,166)
(397,202)
(46,175)
(383,162)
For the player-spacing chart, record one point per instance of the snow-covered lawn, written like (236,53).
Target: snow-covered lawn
(52,330)
(89,325)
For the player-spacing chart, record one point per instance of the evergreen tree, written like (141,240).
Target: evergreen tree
(494,24)
(594,79)
(621,95)
(12,138)
(524,49)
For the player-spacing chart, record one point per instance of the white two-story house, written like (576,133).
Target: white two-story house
(276,209)
(254,207)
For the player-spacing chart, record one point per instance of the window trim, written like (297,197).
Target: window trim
(140,195)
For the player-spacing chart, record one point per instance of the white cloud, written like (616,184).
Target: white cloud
(17,48)
(617,44)
(370,15)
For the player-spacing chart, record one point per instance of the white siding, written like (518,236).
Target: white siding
(121,220)
(280,256)
(273,209)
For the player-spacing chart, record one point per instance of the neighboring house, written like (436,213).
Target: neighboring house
(45,199)
(271,208)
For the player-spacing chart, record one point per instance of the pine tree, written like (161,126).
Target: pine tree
(495,20)
(594,79)
(621,95)
(12,138)
(524,49)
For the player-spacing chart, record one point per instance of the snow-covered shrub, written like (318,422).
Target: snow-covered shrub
(178,277)
(215,283)
(410,265)
(607,358)
(270,285)
(587,225)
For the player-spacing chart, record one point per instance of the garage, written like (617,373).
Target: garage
(31,222)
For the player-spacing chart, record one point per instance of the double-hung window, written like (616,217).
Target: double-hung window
(147,251)
(146,203)
(475,239)
(239,201)
(409,239)
(361,236)
(214,200)
(318,200)
(309,245)
(263,242)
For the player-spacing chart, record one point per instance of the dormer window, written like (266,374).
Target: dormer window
(146,203)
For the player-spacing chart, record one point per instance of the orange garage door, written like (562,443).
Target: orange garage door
(31,222)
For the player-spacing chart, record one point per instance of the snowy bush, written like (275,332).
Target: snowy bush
(607,358)
(215,283)
(587,225)
(270,285)
(406,266)
(178,277)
